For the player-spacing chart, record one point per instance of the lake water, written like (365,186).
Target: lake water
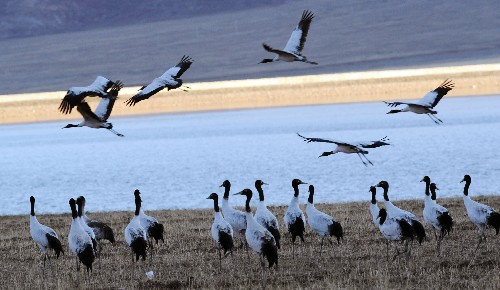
(177,160)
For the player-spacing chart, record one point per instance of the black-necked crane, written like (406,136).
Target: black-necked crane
(435,215)
(392,229)
(323,224)
(85,227)
(395,212)
(76,95)
(99,118)
(79,241)
(101,230)
(264,216)
(260,240)
(136,235)
(154,229)
(426,104)
(480,214)
(236,218)
(295,45)
(222,232)
(294,218)
(349,147)
(170,80)
(45,237)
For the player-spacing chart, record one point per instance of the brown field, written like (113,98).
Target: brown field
(188,259)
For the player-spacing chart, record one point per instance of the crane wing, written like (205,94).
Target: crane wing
(84,109)
(75,95)
(297,40)
(103,110)
(431,99)
(102,83)
(395,104)
(309,140)
(154,87)
(374,144)
(179,69)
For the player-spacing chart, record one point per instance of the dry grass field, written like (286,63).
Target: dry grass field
(188,259)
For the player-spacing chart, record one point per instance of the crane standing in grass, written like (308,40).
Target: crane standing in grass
(259,239)
(324,225)
(222,232)
(294,218)
(480,214)
(264,216)
(45,237)
(435,215)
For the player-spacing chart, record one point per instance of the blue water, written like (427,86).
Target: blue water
(178,160)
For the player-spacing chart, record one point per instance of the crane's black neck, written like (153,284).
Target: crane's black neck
(386,192)
(247,203)
(216,204)
(433,194)
(137,206)
(79,203)
(296,190)
(72,204)
(427,186)
(310,199)
(227,188)
(32,201)
(260,191)
(466,188)
(374,192)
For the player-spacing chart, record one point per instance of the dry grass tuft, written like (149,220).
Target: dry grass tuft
(188,259)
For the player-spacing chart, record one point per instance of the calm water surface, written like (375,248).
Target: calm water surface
(178,160)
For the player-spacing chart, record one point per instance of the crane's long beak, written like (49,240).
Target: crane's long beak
(462,180)
(301,182)
(239,193)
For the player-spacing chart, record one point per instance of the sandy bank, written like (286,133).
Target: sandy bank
(273,92)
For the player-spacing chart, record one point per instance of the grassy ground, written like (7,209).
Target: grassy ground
(188,259)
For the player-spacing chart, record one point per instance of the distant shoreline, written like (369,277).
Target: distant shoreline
(371,86)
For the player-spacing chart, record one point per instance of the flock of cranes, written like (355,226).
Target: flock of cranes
(259,232)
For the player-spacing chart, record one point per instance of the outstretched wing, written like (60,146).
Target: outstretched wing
(395,104)
(270,49)
(374,144)
(103,110)
(179,69)
(75,95)
(431,99)
(297,40)
(309,140)
(102,83)
(148,91)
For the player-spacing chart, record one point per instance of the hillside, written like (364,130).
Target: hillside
(226,43)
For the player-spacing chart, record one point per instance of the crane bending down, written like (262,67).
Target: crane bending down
(349,148)
(426,104)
